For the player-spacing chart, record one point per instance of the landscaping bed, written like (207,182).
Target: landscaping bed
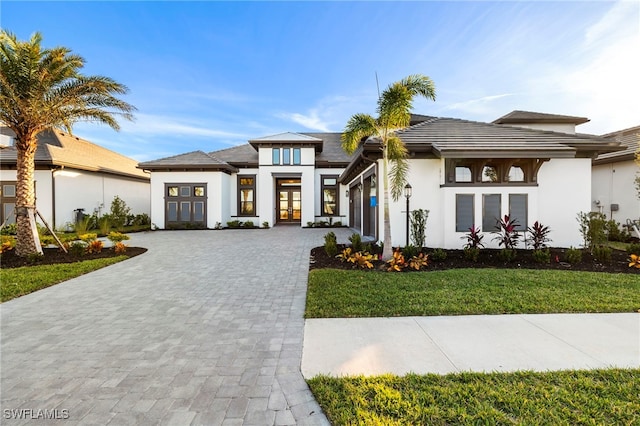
(52,256)
(490,258)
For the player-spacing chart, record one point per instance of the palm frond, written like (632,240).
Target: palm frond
(418,84)
(358,127)
(398,177)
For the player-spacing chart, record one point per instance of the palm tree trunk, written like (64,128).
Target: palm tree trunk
(27,242)
(387,251)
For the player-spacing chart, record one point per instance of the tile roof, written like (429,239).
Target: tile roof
(524,117)
(629,139)
(198,160)
(57,148)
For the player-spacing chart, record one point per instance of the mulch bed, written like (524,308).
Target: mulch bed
(489,258)
(55,255)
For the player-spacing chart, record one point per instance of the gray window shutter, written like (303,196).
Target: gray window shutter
(464,212)
(490,212)
(518,210)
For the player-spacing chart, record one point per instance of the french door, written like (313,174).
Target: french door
(289,199)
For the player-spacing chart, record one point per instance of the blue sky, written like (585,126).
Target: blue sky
(209,75)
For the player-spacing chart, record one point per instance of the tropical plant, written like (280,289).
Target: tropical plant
(7,243)
(539,235)
(116,237)
(394,107)
(87,238)
(397,262)
(419,261)
(43,89)
(474,238)
(120,248)
(362,260)
(507,235)
(94,246)
(634,261)
(418,226)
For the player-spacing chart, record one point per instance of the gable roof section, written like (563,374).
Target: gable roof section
(195,161)
(629,140)
(57,148)
(530,117)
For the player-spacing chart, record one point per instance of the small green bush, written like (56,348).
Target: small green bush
(10,229)
(573,256)
(330,244)
(471,253)
(234,224)
(116,237)
(356,242)
(438,255)
(602,254)
(265,224)
(634,248)
(507,255)
(410,251)
(119,213)
(248,224)
(541,256)
(77,248)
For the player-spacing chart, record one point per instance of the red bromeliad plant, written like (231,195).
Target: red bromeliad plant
(539,235)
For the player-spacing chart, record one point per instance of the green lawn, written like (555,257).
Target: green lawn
(599,397)
(16,282)
(341,294)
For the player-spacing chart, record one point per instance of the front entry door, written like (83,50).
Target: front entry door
(289,198)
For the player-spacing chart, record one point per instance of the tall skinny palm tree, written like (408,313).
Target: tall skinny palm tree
(43,89)
(394,113)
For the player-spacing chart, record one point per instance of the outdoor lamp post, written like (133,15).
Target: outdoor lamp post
(407,194)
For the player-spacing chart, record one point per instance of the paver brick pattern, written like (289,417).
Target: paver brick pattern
(206,328)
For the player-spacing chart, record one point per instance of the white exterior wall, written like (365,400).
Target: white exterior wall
(614,183)
(82,189)
(343,200)
(564,191)
(215,192)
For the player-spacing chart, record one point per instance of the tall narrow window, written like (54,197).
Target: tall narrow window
(296,156)
(329,195)
(246,195)
(275,156)
(286,156)
(464,212)
(490,211)
(518,210)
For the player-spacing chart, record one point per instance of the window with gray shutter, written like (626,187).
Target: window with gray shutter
(518,210)
(490,212)
(464,212)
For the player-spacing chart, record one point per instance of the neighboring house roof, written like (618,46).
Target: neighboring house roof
(57,148)
(629,139)
(196,160)
(530,117)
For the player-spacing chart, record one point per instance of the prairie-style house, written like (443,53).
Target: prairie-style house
(532,166)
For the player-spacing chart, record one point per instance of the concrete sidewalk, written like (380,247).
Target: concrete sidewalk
(372,346)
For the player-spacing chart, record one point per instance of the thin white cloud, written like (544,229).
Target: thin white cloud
(477,106)
(148,124)
(310,121)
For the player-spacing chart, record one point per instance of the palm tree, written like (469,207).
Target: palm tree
(43,89)
(394,113)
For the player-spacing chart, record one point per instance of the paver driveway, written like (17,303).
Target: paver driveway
(205,328)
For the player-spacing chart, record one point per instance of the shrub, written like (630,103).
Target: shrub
(142,219)
(602,254)
(234,224)
(104,225)
(119,213)
(633,248)
(356,242)
(87,238)
(592,228)
(7,243)
(541,256)
(82,226)
(218,225)
(410,251)
(248,224)
(438,255)
(573,255)
(77,248)
(120,248)
(116,237)
(634,261)
(507,236)
(330,244)
(397,262)
(265,224)
(418,227)
(539,235)
(474,238)
(94,246)
(507,255)
(34,257)
(419,261)
(471,253)
(10,229)
(615,232)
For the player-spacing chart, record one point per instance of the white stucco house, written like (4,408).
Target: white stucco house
(613,178)
(465,173)
(72,173)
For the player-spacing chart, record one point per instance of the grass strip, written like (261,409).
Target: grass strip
(344,294)
(607,396)
(16,282)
